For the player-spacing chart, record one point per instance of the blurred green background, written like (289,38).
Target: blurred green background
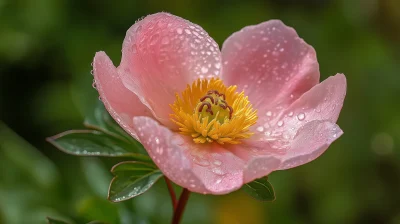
(47,46)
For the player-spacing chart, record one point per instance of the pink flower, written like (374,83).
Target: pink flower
(180,96)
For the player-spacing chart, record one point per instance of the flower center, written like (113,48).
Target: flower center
(208,111)
(214,106)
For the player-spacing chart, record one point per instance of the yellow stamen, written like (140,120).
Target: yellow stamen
(209,111)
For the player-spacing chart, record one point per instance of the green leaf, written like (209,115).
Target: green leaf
(101,120)
(55,221)
(95,143)
(260,189)
(132,179)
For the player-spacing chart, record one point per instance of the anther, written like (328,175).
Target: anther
(223,106)
(208,109)
(207,97)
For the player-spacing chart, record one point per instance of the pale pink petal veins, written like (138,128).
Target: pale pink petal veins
(198,167)
(310,142)
(163,53)
(323,102)
(121,103)
(271,64)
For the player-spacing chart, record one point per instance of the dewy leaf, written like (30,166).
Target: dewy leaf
(132,179)
(260,189)
(95,143)
(55,221)
(101,120)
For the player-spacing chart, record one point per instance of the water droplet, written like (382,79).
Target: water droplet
(188,31)
(159,150)
(217,162)
(260,129)
(218,171)
(301,116)
(217,65)
(290,113)
(157,141)
(218,181)
(280,123)
(179,30)
(269,113)
(200,161)
(204,69)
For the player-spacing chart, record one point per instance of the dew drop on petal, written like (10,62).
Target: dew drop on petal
(204,69)
(260,129)
(217,162)
(301,116)
(269,113)
(179,30)
(280,123)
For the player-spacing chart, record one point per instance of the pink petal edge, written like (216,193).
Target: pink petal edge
(163,53)
(271,64)
(199,168)
(310,142)
(121,103)
(323,102)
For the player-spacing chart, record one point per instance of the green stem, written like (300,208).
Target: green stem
(181,206)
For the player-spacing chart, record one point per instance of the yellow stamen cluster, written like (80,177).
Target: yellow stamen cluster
(209,111)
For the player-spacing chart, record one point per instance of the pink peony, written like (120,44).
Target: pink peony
(214,120)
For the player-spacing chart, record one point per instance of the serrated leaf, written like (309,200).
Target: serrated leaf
(95,143)
(260,189)
(132,179)
(55,221)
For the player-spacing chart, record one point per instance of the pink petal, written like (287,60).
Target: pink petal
(202,168)
(163,53)
(323,102)
(310,142)
(260,161)
(271,64)
(121,103)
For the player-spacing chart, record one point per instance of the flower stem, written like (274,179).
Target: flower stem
(181,206)
(171,193)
